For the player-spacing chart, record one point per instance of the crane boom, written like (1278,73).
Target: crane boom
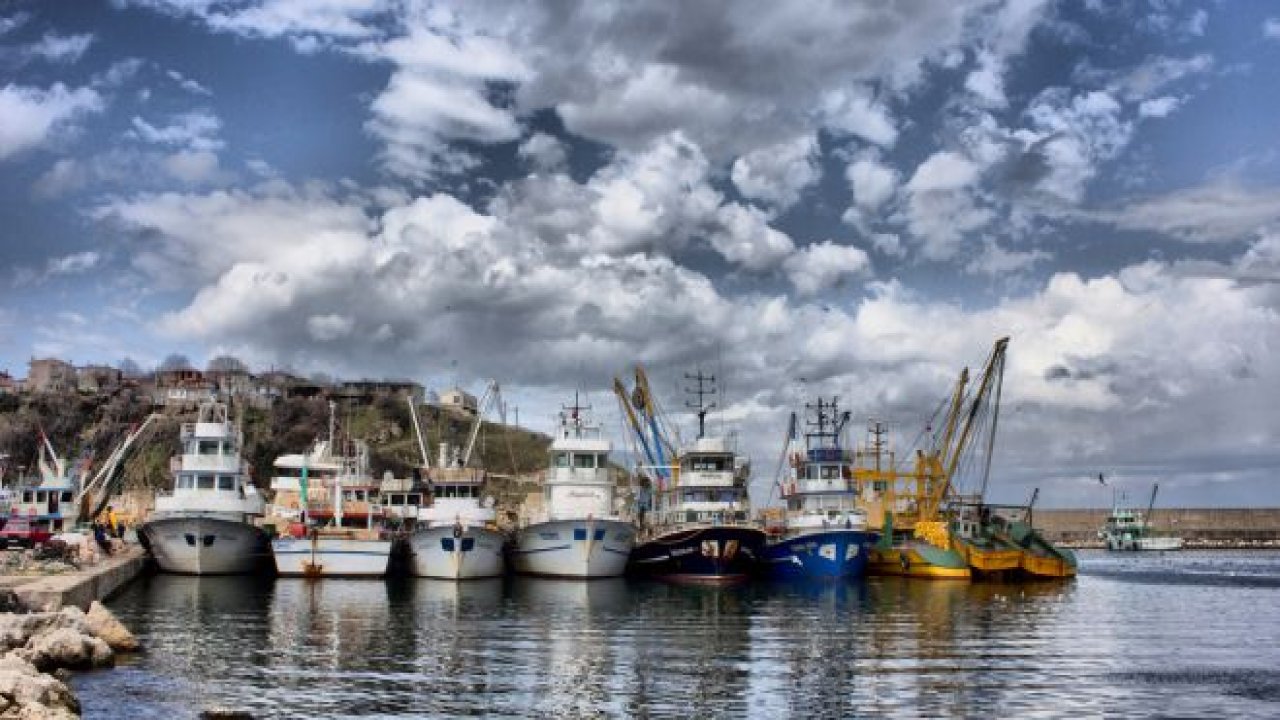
(490,394)
(101,481)
(620,391)
(417,431)
(995,365)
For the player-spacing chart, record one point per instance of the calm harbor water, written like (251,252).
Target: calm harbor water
(1190,634)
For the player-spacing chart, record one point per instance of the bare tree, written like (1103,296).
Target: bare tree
(176,361)
(227,363)
(129,368)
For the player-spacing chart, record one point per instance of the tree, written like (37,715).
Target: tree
(176,361)
(129,368)
(227,363)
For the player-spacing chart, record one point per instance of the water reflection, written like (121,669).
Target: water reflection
(545,648)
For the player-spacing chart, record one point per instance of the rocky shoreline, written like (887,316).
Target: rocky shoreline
(39,649)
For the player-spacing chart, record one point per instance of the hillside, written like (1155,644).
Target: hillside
(91,425)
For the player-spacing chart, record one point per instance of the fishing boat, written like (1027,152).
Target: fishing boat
(699,530)
(209,523)
(579,531)
(1129,530)
(62,493)
(334,528)
(932,530)
(457,536)
(823,533)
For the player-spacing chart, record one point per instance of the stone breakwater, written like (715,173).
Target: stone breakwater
(39,649)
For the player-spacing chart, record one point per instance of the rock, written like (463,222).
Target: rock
(17,629)
(25,692)
(100,623)
(67,648)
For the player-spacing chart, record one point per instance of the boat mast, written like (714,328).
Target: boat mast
(700,405)
(1146,519)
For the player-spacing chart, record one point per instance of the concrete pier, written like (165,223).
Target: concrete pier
(1199,527)
(80,588)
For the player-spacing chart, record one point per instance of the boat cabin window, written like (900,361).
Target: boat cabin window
(560,459)
(41,496)
(66,496)
(204,482)
(397,499)
(415,499)
(707,464)
(584,461)
(208,447)
(226,482)
(830,472)
(28,496)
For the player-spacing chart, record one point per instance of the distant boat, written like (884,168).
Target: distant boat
(578,533)
(1127,530)
(207,525)
(699,530)
(824,533)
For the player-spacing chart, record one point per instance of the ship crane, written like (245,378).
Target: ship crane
(982,406)
(643,415)
(95,493)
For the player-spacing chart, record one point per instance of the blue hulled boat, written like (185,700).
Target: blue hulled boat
(823,534)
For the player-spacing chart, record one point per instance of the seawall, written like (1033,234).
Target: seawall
(1203,527)
(79,588)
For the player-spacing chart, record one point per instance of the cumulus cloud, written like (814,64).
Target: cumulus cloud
(31,115)
(543,151)
(1271,28)
(821,265)
(777,174)
(944,170)
(873,184)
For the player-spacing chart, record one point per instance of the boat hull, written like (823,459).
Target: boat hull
(1127,543)
(206,545)
(573,548)
(920,560)
(321,556)
(449,553)
(819,555)
(704,555)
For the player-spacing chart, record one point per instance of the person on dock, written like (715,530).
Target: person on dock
(109,520)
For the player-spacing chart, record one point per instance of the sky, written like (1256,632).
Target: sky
(805,199)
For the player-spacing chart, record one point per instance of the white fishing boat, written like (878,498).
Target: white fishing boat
(1128,530)
(457,538)
(209,523)
(335,527)
(578,532)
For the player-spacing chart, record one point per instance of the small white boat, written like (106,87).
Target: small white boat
(578,533)
(1128,530)
(208,524)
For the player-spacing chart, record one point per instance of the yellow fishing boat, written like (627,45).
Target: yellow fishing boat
(927,528)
